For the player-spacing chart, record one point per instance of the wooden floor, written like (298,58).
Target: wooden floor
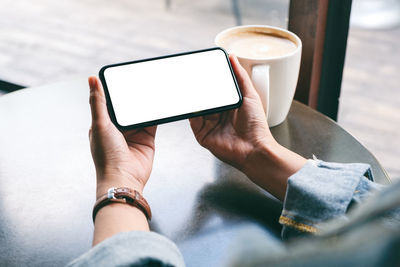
(43,41)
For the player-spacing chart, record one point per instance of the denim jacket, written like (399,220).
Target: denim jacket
(323,224)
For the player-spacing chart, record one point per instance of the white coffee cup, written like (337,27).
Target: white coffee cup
(274,76)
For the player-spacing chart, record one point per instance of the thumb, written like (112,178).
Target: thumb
(97,102)
(243,79)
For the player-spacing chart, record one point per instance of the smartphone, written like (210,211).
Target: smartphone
(164,89)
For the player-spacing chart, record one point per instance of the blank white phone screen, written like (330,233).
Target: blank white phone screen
(157,89)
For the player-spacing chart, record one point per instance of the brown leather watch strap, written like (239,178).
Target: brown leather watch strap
(122,195)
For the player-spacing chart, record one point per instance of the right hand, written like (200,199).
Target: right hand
(233,135)
(242,138)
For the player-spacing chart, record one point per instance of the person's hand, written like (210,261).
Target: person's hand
(121,159)
(233,135)
(241,137)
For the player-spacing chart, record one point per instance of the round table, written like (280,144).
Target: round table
(47,179)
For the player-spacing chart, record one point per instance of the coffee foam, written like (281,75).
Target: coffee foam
(256,44)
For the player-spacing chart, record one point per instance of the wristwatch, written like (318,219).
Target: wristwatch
(122,195)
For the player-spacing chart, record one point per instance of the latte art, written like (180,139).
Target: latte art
(257,45)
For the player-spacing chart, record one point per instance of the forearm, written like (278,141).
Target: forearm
(270,167)
(117,217)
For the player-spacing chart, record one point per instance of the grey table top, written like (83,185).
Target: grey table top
(47,179)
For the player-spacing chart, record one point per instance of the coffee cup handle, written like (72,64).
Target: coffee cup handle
(260,78)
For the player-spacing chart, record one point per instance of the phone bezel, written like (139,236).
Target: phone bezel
(172,118)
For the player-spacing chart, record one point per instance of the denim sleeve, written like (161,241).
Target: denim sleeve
(321,191)
(132,249)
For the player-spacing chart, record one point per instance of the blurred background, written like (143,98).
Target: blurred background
(43,41)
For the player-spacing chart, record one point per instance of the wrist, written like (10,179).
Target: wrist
(104,182)
(262,153)
(270,165)
(122,195)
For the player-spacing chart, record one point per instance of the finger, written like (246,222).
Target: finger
(212,117)
(97,102)
(243,79)
(151,130)
(148,130)
(196,123)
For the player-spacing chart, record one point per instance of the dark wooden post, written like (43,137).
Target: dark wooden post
(322,25)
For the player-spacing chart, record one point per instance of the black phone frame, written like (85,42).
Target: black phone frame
(172,118)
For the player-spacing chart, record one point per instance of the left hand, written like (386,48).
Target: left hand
(121,159)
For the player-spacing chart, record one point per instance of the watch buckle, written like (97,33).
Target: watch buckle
(111,193)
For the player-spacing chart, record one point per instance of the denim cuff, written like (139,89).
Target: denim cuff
(134,248)
(321,191)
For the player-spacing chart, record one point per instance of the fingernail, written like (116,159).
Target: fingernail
(92,93)
(91,83)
